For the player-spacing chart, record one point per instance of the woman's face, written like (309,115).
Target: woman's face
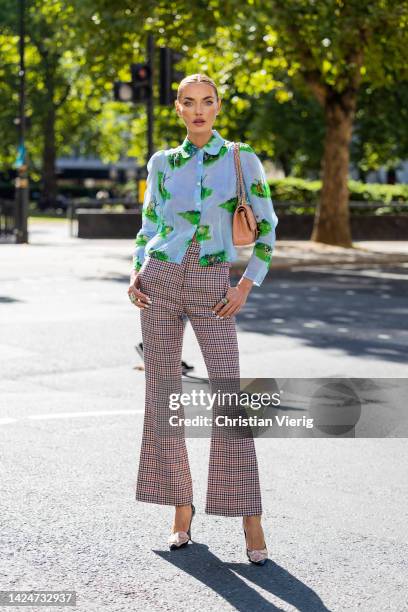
(198,101)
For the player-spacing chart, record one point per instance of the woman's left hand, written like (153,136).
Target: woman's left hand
(237,296)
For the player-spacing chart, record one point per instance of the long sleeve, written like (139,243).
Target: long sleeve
(150,211)
(259,198)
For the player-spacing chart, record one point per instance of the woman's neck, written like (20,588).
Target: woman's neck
(199,140)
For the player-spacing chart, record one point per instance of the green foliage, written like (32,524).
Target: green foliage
(377,192)
(380,134)
(304,195)
(295,190)
(272,61)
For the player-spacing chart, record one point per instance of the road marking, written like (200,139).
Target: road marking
(364,272)
(69,415)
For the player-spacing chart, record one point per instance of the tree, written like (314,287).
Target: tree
(331,47)
(292,76)
(335,46)
(380,137)
(71,65)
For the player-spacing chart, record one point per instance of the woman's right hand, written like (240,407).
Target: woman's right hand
(139,299)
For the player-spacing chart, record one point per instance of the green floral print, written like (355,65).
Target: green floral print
(150,211)
(162,190)
(203,233)
(191,191)
(165,230)
(230,204)
(157,254)
(264,227)
(213,258)
(261,189)
(193,216)
(263,251)
(142,240)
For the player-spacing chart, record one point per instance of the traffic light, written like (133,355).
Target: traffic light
(138,89)
(142,89)
(122,91)
(169,75)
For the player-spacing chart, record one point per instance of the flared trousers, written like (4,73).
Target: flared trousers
(177,291)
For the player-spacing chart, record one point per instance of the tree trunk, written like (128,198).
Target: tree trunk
(49,182)
(332,222)
(391,176)
(285,163)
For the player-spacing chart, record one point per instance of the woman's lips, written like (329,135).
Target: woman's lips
(199,122)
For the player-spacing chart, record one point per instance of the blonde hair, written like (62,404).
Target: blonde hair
(196,78)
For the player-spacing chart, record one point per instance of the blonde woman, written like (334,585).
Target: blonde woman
(181,266)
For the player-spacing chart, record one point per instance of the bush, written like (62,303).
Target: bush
(304,195)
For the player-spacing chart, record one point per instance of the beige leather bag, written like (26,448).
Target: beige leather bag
(244,225)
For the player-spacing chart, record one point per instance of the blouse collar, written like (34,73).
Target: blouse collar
(212,146)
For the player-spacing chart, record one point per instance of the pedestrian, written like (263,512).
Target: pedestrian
(181,265)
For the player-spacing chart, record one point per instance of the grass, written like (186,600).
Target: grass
(34,218)
(34,215)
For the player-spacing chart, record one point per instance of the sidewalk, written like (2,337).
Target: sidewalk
(287,253)
(294,253)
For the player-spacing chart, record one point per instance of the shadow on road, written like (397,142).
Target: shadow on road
(225,580)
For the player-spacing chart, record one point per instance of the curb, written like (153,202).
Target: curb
(386,259)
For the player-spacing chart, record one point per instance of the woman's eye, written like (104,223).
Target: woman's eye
(189,103)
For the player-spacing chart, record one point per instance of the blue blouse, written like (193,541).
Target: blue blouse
(192,191)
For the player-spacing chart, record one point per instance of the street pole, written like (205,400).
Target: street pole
(21,184)
(149,103)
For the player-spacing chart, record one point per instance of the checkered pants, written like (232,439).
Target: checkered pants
(179,290)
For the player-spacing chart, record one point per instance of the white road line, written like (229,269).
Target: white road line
(364,272)
(69,415)
(6,421)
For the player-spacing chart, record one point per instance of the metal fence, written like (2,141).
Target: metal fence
(7,218)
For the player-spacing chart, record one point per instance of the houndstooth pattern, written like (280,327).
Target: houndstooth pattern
(179,290)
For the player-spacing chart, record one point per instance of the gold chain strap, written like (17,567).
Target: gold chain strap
(244,224)
(241,195)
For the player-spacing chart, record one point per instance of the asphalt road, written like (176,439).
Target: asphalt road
(72,400)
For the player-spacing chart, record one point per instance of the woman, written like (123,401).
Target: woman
(187,235)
